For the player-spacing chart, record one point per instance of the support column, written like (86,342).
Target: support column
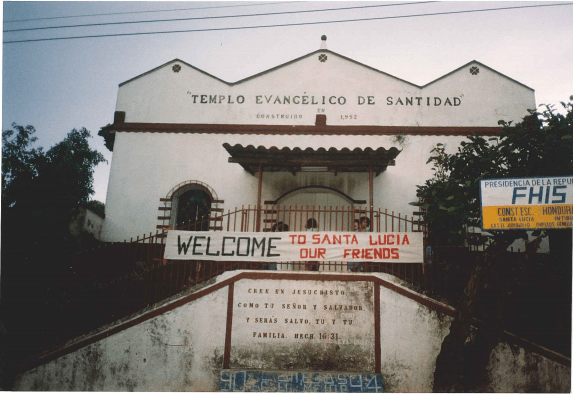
(377,310)
(371,196)
(258,225)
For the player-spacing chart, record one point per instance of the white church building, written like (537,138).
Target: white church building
(322,131)
(322,139)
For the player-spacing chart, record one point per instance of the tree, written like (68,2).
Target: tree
(40,190)
(19,165)
(541,145)
(536,147)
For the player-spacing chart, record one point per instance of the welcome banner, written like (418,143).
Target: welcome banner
(295,246)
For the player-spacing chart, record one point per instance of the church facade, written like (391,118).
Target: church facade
(322,130)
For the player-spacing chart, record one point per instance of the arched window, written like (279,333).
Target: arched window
(189,206)
(192,210)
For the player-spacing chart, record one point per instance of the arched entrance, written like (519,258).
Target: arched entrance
(315,196)
(295,160)
(331,209)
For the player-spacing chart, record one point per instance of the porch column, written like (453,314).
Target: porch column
(258,225)
(371,196)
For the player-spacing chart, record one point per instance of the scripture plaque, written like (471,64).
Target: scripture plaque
(311,325)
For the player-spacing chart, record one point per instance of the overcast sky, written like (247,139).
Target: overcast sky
(59,85)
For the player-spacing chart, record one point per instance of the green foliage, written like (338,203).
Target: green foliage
(541,145)
(68,176)
(39,192)
(42,186)
(20,162)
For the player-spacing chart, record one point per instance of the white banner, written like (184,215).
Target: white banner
(295,246)
(548,190)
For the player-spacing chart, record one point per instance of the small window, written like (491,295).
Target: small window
(192,210)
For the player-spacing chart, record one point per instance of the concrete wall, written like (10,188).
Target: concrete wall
(513,369)
(84,221)
(180,350)
(93,224)
(186,343)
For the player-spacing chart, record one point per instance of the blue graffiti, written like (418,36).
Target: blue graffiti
(254,381)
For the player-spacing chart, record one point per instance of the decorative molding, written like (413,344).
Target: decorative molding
(201,185)
(215,209)
(109,132)
(305,129)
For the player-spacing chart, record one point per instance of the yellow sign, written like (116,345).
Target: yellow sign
(526,203)
(527,217)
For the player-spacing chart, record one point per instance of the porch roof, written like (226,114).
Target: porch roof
(294,160)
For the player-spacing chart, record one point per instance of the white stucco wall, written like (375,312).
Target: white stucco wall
(165,96)
(183,349)
(146,166)
(411,338)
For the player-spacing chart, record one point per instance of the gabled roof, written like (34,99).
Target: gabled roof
(482,65)
(331,53)
(314,53)
(165,64)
